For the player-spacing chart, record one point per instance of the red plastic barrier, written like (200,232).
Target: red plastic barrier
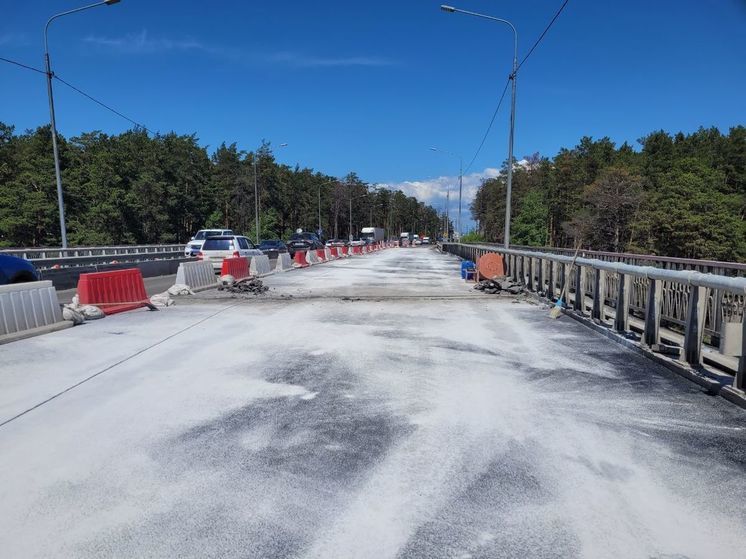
(346,251)
(299,260)
(334,251)
(321,253)
(115,291)
(357,250)
(237,267)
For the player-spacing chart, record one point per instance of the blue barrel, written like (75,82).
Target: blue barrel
(464,266)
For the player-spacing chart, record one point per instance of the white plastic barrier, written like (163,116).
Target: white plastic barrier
(28,309)
(259,265)
(284,262)
(328,254)
(312,257)
(197,275)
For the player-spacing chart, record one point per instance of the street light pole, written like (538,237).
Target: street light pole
(513,77)
(460,183)
(52,120)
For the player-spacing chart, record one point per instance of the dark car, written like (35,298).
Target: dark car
(16,270)
(272,247)
(303,241)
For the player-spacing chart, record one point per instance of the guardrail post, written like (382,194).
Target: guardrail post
(597,313)
(621,319)
(578,302)
(550,277)
(540,275)
(740,381)
(695,325)
(530,273)
(653,303)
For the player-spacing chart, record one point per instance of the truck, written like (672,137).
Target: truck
(404,239)
(372,234)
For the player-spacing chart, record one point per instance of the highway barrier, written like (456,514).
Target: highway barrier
(237,267)
(28,309)
(299,261)
(345,251)
(321,253)
(357,250)
(328,254)
(197,275)
(334,251)
(312,257)
(114,292)
(283,262)
(259,265)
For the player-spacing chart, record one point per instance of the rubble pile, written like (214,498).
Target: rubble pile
(248,285)
(499,285)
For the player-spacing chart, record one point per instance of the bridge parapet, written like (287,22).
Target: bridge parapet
(688,302)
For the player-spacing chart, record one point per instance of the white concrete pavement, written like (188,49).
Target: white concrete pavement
(385,410)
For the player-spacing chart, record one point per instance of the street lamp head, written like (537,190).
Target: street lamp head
(449,9)
(110,2)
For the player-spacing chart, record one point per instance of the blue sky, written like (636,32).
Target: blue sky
(369,86)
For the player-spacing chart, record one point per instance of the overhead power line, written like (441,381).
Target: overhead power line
(9,61)
(487,132)
(531,50)
(102,104)
(78,90)
(505,89)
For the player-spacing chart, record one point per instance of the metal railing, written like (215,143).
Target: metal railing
(44,258)
(699,304)
(667,262)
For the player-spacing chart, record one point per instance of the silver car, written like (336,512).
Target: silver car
(195,244)
(215,249)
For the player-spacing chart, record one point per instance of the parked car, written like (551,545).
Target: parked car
(215,249)
(195,244)
(357,242)
(17,270)
(273,247)
(303,241)
(336,243)
(425,240)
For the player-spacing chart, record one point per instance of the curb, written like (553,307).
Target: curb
(30,333)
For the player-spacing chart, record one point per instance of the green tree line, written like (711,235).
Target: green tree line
(135,188)
(678,195)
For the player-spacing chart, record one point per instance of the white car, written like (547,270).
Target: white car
(195,244)
(425,240)
(215,249)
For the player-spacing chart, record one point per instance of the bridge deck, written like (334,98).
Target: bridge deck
(385,410)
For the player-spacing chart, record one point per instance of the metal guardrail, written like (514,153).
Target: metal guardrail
(699,302)
(44,258)
(667,262)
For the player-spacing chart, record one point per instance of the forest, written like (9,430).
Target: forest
(681,195)
(136,188)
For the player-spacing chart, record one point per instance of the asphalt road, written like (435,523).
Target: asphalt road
(369,408)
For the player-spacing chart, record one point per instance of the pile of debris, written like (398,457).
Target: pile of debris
(498,285)
(247,285)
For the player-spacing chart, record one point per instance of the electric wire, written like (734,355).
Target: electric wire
(80,91)
(510,77)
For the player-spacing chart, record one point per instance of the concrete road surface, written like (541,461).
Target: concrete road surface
(385,410)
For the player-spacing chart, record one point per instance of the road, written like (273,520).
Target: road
(375,407)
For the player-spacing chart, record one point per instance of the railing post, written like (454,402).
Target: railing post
(740,381)
(550,277)
(530,273)
(597,313)
(578,303)
(653,302)
(540,275)
(695,325)
(621,319)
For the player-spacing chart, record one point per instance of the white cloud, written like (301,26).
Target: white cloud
(434,192)
(13,39)
(143,43)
